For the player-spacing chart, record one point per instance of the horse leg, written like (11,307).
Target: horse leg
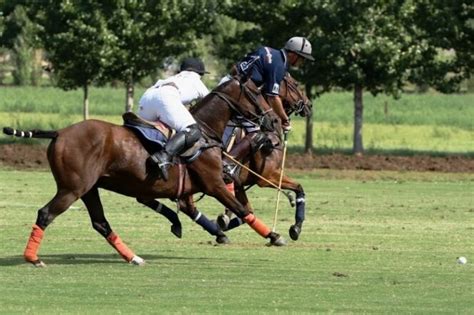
(228,200)
(241,196)
(96,212)
(162,209)
(289,184)
(250,144)
(60,203)
(295,229)
(187,206)
(223,219)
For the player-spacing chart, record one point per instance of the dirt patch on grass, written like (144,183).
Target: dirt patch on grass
(34,157)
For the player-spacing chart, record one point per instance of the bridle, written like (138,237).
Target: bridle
(258,117)
(298,104)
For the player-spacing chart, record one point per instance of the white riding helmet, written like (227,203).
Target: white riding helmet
(301,46)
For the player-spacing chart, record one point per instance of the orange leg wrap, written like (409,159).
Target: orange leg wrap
(230,188)
(120,247)
(257,225)
(34,242)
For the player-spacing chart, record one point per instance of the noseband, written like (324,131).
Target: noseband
(299,104)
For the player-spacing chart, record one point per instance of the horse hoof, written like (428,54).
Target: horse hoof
(294,232)
(276,240)
(223,221)
(176,230)
(38,263)
(279,242)
(222,239)
(137,261)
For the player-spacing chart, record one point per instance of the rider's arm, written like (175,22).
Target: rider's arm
(277,106)
(273,73)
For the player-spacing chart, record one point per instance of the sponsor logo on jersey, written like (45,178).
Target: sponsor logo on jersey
(276,88)
(245,65)
(268,55)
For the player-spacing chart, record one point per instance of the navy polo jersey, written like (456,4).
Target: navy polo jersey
(266,67)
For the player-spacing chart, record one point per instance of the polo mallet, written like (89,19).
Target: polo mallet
(285,142)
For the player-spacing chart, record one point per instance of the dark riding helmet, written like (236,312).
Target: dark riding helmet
(193,64)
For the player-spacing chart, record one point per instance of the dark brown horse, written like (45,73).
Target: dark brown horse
(267,162)
(94,154)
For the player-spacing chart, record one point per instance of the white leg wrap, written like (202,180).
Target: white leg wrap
(137,261)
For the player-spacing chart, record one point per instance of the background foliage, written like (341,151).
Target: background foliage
(374,46)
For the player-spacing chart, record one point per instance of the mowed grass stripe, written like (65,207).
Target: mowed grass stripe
(386,243)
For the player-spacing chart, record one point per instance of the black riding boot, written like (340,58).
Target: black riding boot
(177,144)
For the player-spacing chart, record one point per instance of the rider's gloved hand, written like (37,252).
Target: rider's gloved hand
(286,126)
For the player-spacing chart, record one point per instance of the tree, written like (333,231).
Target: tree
(77,42)
(20,38)
(448,55)
(374,46)
(147,32)
(361,45)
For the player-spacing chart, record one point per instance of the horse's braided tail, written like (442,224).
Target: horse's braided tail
(35,133)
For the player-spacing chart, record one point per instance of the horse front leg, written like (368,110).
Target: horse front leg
(224,219)
(290,184)
(162,209)
(187,206)
(60,203)
(96,212)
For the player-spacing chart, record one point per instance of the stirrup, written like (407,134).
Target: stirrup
(161,163)
(230,169)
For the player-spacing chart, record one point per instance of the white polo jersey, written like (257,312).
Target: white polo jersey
(165,100)
(189,85)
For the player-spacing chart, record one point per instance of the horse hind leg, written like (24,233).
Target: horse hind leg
(162,209)
(187,206)
(96,212)
(60,203)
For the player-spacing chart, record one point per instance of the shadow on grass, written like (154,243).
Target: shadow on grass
(90,259)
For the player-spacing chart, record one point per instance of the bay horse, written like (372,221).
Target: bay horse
(265,163)
(95,154)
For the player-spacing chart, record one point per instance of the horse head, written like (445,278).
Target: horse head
(248,102)
(294,100)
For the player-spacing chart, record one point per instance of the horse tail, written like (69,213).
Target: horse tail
(35,133)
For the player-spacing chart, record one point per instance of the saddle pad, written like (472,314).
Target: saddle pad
(153,135)
(131,119)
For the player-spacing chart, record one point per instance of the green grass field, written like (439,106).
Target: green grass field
(423,123)
(373,242)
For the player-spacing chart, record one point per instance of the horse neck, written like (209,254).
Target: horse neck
(214,113)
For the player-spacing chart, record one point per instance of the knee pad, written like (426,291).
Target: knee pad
(192,134)
(262,142)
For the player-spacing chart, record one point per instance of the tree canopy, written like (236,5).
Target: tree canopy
(365,45)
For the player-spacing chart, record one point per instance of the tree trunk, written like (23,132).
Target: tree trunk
(308,145)
(86,102)
(358,148)
(129,96)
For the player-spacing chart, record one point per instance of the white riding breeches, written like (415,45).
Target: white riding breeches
(164,103)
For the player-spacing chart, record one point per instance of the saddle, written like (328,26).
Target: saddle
(131,119)
(157,133)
